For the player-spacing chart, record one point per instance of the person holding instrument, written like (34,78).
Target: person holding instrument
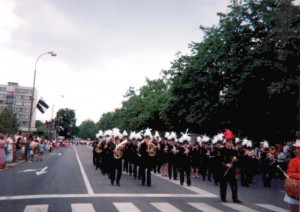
(228,161)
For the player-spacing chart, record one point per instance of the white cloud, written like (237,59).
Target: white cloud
(103,47)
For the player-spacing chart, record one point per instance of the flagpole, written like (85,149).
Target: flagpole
(52,120)
(33,88)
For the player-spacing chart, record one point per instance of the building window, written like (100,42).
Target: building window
(2,89)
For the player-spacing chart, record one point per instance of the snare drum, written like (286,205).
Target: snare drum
(292,188)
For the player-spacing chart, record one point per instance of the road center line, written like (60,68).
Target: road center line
(86,181)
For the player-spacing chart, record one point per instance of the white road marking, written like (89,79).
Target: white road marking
(192,188)
(126,206)
(50,196)
(272,208)
(86,180)
(43,171)
(36,208)
(203,207)
(82,207)
(162,206)
(239,207)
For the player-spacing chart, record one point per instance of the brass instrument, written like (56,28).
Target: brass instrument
(118,152)
(272,158)
(98,147)
(151,150)
(186,150)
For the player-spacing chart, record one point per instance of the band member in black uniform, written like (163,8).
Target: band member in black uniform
(268,163)
(184,158)
(204,159)
(245,162)
(228,162)
(172,166)
(156,142)
(133,157)
(94,152)
(105,157)
(125,154)
(115,154)
(195,154)
(163,158)
(147,161)
(99,136)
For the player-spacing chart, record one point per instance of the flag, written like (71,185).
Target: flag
(42,105)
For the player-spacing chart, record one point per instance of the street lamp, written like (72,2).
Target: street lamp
(53,54)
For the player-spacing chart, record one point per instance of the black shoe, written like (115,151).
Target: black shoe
(237,201)
(112,183)
(149,185)
(181,183)
(118,184)
(223,200)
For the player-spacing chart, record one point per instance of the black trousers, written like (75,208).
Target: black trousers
(116,169)
(233,185)
(187,171)
(146,173)
(172,168)
(133,169)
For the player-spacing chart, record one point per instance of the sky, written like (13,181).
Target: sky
(103,47)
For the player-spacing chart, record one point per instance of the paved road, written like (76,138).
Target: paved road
(66,181)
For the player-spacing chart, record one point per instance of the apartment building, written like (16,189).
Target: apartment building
(18,99)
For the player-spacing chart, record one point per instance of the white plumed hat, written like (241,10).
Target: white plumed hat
(185,137)
(148,133)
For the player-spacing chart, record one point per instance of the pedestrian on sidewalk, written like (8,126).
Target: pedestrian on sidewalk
(3,145)
(41,149)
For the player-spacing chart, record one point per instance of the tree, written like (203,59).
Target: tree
(38,123)
(87,129)
(8,122)
(65,122)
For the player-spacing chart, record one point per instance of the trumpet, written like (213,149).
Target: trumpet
(118,151)
(186,150)
(272,159)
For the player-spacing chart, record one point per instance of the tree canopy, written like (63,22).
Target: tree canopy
(243,75)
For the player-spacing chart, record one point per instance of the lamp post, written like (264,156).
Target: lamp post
(53,54)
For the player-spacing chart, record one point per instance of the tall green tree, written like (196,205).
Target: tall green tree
(241,72)
(8,121)
(88,129)
(65,122)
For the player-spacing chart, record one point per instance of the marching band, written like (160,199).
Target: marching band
(222,158)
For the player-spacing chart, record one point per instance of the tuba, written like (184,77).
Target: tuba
(118,152)
(151,150)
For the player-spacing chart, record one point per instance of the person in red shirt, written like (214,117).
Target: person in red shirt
(294,173)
